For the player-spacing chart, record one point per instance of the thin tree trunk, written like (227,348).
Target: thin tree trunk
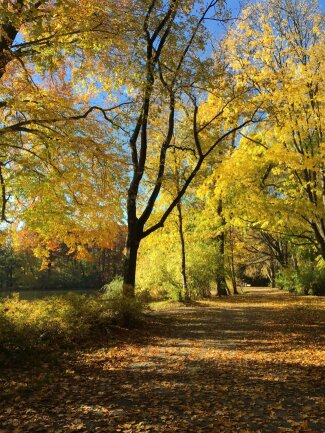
(272,273)
(222,288)
(49,269)
(295,263)
(10,279)
(233,273)
(183,252)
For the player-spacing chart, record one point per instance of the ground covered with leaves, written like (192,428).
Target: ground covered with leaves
(251,363)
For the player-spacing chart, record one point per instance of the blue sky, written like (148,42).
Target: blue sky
(234,4)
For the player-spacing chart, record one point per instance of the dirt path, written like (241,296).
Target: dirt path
(253,363)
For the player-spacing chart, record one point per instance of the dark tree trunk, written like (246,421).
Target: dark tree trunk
(49,270)
(232,263)
(233,275)
(8,35)
(50,263)
(82,269)
(272,273)
(319,232)
(132,242)
(186,292)
(295,263)
(9,29)
(10,277)
(130,263)
(222,288)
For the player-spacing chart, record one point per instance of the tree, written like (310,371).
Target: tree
(277,48)
(58,163)
(160,255)
(172,76)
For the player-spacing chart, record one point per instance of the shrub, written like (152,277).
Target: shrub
(114,289)
(307,281)
(287,279)
(59,320)
(313,281)
(125,310)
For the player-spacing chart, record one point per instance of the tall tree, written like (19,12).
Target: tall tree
(59,152)
(278,48)
(172,34)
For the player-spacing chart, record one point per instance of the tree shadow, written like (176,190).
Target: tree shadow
(208,369)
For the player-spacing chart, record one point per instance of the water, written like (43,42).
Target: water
(40,294)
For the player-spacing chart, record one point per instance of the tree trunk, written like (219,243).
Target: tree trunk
(130,264)
(222,288)
(186,292)
(132,243)
(233,275)
(49,270)
(271,273)
(10,277)
(319,231)
(232,264)
(295,263)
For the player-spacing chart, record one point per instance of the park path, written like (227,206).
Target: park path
(252,363)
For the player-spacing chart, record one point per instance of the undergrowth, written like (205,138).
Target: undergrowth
(60,320)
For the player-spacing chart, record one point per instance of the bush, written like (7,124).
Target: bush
(125,310)
(38,323)
(114,289)
(314,281)
(307,281)
(287,279)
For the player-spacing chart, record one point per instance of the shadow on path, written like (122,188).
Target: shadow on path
(253,363)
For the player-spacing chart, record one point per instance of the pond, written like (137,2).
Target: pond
(39,294)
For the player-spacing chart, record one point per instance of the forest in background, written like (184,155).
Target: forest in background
(175,145)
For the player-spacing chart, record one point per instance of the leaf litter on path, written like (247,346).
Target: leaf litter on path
(246,364)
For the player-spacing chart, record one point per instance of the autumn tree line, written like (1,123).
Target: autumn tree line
(176,145)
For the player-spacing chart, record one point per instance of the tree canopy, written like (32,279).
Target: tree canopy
(192,135)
